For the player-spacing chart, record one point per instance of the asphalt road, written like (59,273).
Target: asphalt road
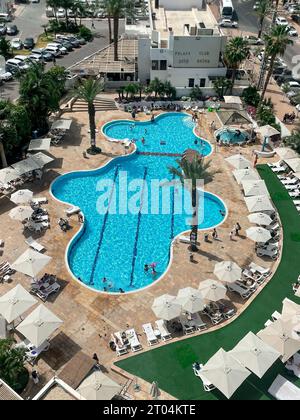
(30,22)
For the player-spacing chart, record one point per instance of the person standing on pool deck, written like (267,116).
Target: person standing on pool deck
(215,234)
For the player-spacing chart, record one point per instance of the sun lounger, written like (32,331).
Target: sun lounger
(255,268)
(162,328)
(151,337)
(296,202)
(121,347)
(34,244)
(295,193)
(32,352)
(213,314)
(295,366)
(273,254)
(198,322)
(39,200)
(208,386)
(44,294)
(268,323)
(187,325)
(244,292)
(72,210)
(276,315)
(284,390)
(134,343)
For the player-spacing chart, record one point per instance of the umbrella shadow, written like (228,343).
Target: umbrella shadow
(62,349)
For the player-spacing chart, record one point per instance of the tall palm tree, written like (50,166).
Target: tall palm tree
(106,5)
(88,90)
(236,51)
(54,4)
(192,170)
(275,44)
(264,7)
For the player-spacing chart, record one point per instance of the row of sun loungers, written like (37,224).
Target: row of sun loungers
(290,182)
(5,272)
(45,287)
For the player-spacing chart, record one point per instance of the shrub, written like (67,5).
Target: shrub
(251,96)
(85,33)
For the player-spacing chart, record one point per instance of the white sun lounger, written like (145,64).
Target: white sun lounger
(121,349)
(72,210)
(135,345)
(39,200)
(208,386)
(198,323)
(151,337)
(244,292)
(284,390)
(162,328)
(258,269)
(34,244)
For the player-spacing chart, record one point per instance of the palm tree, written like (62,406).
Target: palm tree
(221,86)
(293,141)
(5,48)
(236,51)
(66,5)
(156,86)
(54,4)
(12,362)
(263,9)
(88,90)
(169,90)
(275,44)
(131,89)
(191,170)
(2,153)
(106,6)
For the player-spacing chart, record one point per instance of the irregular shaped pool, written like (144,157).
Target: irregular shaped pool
(127,225)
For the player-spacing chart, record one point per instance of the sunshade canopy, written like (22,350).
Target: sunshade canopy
(228,271)
(225,373)
(15,302)
(61,125)
(258,234)
(166,307)
(212,290)
(98,386)
(39,144)
(291,312)
(190,299)
(254,188)
(286,153)
(31,262)
(21,196)
(21,213)
(267,131)
(8,175)
(232,100)
(245,175)
(255,354)
(294,164)
(39,325)
(238,161)
(279,336)
(258,203)
(260,219)
(25,166)
(41,159)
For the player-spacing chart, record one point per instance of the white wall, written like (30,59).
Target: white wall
(180,4)
(144,60)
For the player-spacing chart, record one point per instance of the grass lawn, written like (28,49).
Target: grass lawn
(171,365)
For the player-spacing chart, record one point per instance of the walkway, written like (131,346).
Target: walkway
(171,365)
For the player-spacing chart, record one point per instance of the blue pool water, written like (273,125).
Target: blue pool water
(115,245)
(230,136)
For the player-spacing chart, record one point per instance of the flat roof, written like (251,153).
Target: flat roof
(7,394)
(176,19)
(56,392)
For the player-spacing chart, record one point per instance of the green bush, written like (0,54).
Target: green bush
(85,33)
(251,96)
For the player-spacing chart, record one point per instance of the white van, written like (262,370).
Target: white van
(6,17)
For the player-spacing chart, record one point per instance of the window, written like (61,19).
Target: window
(163,65)
(191,83)
(202,82)
(155,65)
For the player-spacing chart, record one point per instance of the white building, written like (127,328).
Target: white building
(180,42)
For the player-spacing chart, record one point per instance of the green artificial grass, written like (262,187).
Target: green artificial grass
(171,365)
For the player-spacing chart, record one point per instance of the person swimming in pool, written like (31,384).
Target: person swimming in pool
(143,140)
(146,268)
(237,133)
(222,213)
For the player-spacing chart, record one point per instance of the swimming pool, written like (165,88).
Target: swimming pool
(117,244)
(232,136)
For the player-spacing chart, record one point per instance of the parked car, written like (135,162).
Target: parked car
(293,31)
(65,44)
(5,17)
(82,41)
(5,75)
(12,30)
(36,58)
(61,48)
(3,29)
(285,79)
(280,20)
(61,13)
(256,5)
(296,18)
(228,23)
(73,40)
(54,51)
(253,40)
(16,44)
(294,8)
(29,43)
(50,12)
(46,56)
(16,66)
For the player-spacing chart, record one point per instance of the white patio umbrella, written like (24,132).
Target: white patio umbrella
(286,153)
(190,299)
(21,213)
(166,307)
(228,271)
(238,161)
(225,373)
(8,175)
(31,262)
(212,290)
(258,234)
(245,175)
(291,312)
(255,188)
(279,336)
(154,390)
(21,196)
(98,386)
(258,203)
(260,219)
(255,354)
(39,325)
(294,164)
(267,131)
(15,302)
